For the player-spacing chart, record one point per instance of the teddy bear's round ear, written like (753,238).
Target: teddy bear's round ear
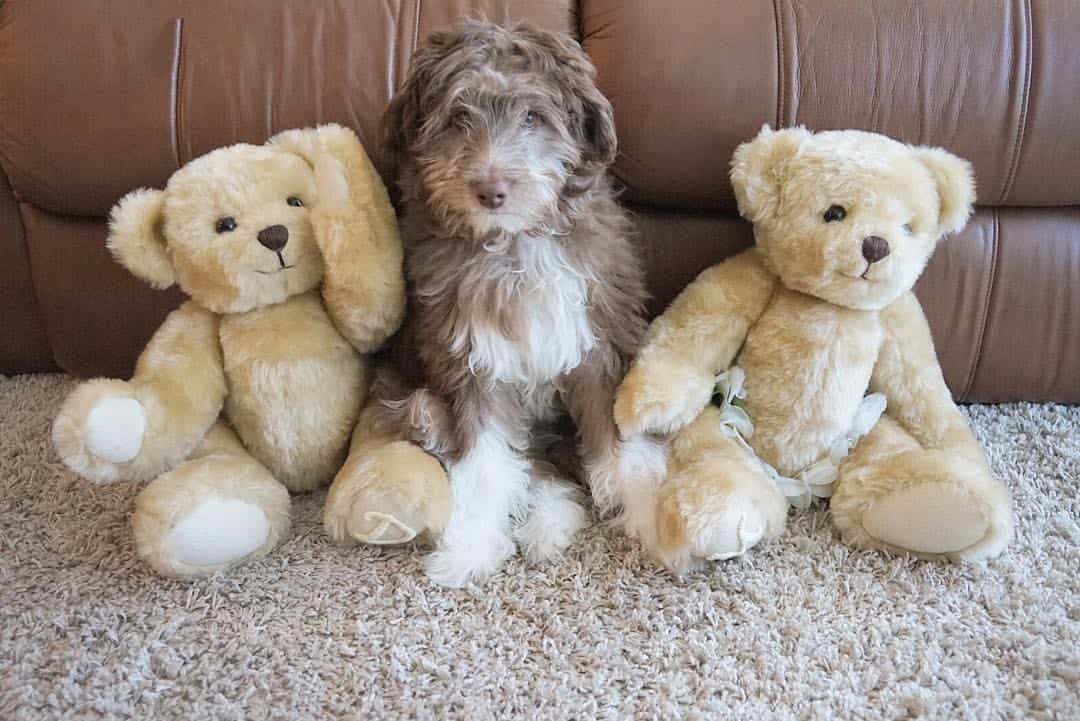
(757,169)
(136,240)
(955,182)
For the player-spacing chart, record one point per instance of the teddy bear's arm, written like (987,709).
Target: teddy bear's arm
(134,430)
(908,373)
(355,226)
(356,229)
(697,337)
(364,287)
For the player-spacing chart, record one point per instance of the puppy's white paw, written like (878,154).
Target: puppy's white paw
(115,429)
(555,517)
(457,564)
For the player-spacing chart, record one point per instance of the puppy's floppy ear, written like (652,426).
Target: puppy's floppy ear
(955,182)
(136,240)
(404,118)
(757,169)
(593,122)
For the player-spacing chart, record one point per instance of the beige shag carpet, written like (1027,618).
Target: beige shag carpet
(802,628)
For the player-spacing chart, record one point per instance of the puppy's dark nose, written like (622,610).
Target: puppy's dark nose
(874,248)
(274,237)
(491,193)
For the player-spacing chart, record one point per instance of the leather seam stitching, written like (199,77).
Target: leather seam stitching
(779,64)
(984,314)
(1021,128)
(177,90)
(416,27)
(792,105)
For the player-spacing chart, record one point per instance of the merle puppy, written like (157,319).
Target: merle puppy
(527,295)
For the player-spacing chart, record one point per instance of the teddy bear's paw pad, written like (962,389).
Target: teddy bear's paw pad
(723,531)
(927,518)
(115,428)
(741,526)
(382,529)
(218,532)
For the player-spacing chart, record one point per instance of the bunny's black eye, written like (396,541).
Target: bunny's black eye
(835,213)
(295,202)
(226,224)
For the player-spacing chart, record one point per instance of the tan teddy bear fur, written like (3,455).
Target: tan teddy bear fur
(291,257)
(819,313)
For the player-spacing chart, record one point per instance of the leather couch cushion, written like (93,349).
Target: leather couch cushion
(688,86)
(117,95)
(24,344)
(1001,296)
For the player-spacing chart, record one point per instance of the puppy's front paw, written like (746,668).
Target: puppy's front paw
(462,561)
(100,427)
(661,397)
(555,517)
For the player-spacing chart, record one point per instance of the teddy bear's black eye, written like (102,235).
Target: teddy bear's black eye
(835,213)
(908,229)
(295,202)
(226,224)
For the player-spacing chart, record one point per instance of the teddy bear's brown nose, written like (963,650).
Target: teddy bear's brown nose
(874,248)
(275,237)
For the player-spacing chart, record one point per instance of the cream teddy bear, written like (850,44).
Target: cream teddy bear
(797,330)
(291,258)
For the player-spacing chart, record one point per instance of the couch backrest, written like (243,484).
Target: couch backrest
(101,96)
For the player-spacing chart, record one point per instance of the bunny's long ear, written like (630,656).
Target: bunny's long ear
(757,170)
(135,237)
(955,182)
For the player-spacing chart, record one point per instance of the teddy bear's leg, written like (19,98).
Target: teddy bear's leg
(390,490)
(895,495)
(218,508)
(717,502)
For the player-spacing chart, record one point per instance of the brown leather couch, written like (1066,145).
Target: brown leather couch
(100,96)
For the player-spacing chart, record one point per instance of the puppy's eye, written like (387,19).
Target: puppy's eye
(460,119)
(294,201)
(532,119)
(835,213)
(908,229)
(226,224)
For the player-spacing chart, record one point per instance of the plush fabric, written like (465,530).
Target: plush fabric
(820,318)
(290,256)
(803,628)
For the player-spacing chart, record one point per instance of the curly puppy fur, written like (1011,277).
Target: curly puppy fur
(526,292)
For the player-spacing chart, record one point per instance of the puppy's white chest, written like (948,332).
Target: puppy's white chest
(543,329)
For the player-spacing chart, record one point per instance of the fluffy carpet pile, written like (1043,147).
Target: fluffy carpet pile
(802,628)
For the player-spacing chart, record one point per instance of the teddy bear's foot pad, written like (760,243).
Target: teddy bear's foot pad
(726,531)
(381,529)
(217,533)
(927,518)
